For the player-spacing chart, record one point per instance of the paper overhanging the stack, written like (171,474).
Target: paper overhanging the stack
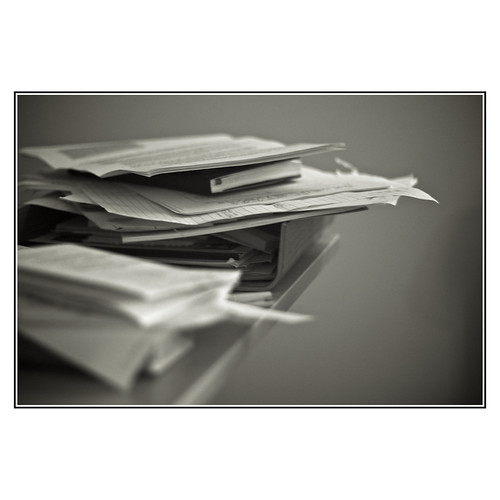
(115,315)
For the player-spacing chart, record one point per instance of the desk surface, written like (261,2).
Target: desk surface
(195,379)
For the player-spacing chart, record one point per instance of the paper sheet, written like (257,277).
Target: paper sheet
(316,188)
(351,199)
(144,291)
(130,237)
(313,182)
(64,291)
(112,350)
(150,157)
(122,201)
(113,222)
(144,313)
(114,275)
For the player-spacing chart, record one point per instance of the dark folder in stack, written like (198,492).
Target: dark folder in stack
(222,180)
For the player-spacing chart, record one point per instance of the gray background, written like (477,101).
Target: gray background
(399,309)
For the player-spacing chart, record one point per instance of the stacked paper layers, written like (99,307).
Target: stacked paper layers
(115,315)
(169,155)
(131,208)
(178,227)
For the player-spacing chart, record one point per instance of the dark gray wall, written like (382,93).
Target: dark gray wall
(399,309)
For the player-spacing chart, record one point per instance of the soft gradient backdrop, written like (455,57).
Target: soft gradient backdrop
(399,309)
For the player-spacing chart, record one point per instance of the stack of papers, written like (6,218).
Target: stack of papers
(115,315)
(180,154)
(107,207)
(155,238)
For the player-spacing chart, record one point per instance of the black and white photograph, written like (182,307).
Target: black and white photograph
(250,249)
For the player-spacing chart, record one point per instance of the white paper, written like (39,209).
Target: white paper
(178,302)
(146,292)
(119,276)
(111,349)
(153,156)
(114,349)
(314,189)
(113,222)
(121,201)
(231,225)
(313,182)
(164,205)
(116,197)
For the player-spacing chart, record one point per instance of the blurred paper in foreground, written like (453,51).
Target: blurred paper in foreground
(116,315)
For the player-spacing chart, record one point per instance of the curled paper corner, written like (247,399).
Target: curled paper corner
(347,165)
(421,195)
